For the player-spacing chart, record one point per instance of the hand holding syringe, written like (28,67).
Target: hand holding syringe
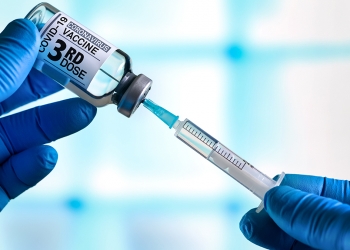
(215,152)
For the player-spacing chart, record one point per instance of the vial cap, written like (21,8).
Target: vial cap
(134,95)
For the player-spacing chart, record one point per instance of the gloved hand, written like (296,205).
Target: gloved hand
(24,160)
(318,217)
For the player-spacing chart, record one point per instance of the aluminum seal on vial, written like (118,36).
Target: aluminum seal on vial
(134,95)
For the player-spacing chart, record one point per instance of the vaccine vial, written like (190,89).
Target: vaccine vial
(85,63)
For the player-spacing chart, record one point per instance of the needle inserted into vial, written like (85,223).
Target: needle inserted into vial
(215,152)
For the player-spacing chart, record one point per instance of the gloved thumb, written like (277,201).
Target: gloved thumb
(24,170)
(19,44)
(319,222)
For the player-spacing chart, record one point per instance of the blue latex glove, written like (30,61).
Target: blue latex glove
(24,160)
(318,217)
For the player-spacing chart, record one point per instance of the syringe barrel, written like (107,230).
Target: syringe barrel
(254,180)
(210,148)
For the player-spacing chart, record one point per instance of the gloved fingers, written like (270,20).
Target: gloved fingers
(19,44)
(25,169)
(261,230)
(326,187)
(43,124)
(35,86)
(307,183)
(319,222)
(258,227)
(4,199)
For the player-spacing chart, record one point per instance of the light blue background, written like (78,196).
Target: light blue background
(269,79)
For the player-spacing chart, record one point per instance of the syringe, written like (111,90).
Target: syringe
(215,152)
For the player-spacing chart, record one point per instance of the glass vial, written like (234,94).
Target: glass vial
(85,63)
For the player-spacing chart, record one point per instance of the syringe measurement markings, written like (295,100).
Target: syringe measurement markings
(216,146)
(232,160)
(198,134)
(237,163)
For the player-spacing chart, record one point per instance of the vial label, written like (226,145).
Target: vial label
(73,49)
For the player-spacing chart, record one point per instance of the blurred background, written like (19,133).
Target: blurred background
(269,79)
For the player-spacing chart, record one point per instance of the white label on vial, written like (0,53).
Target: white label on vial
(73,49)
